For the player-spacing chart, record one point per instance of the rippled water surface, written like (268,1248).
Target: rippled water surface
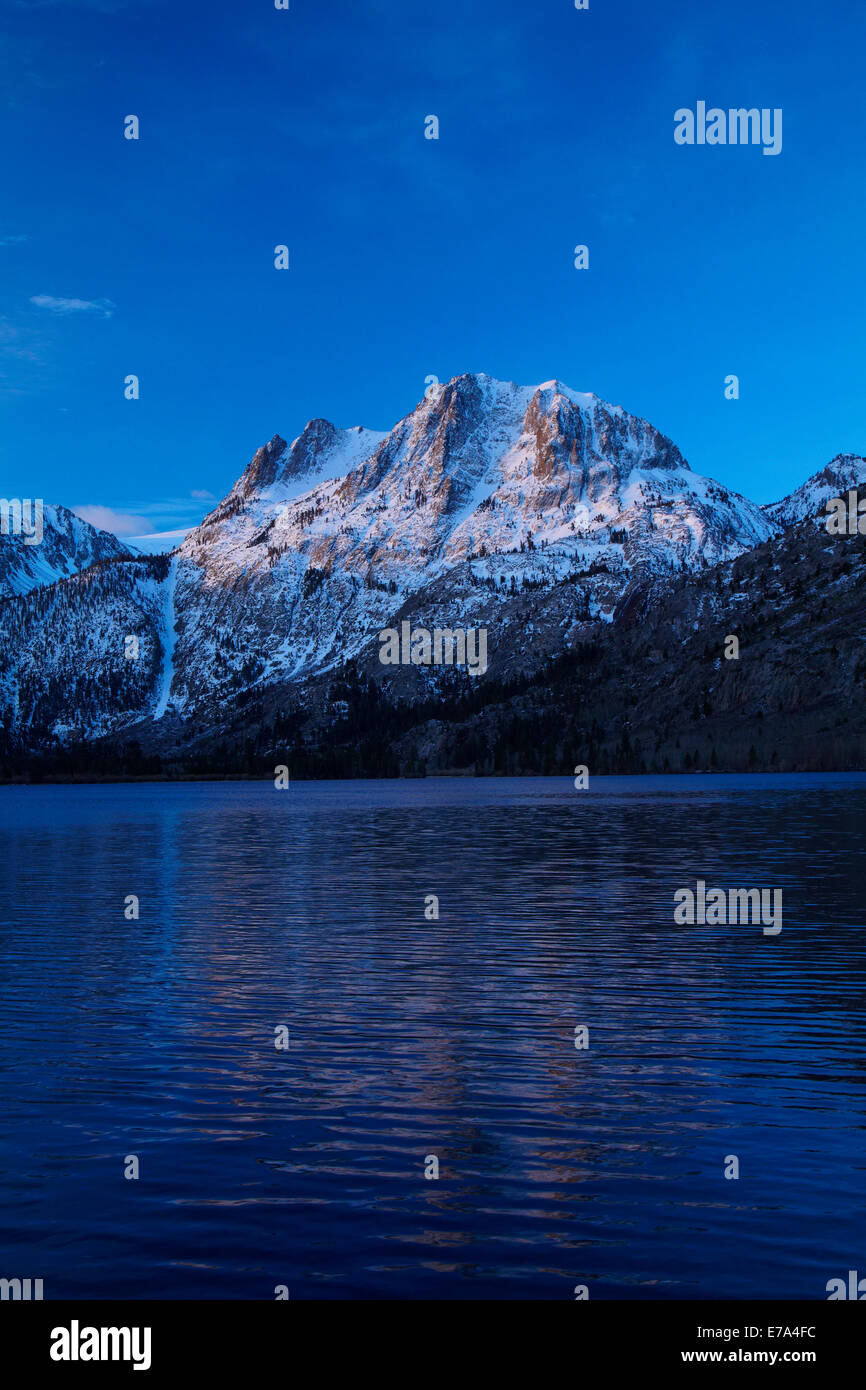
(414,1037)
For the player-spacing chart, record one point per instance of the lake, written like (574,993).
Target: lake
(412,1038)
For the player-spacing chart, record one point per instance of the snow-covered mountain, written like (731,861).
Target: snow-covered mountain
(809,501)
(480,465)
(537,512)
(68,545)
(483,489)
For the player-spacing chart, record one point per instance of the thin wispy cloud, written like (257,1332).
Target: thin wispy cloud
(14,343)
(171,516)
(22,358)
(101,6)
(13,240)
(107,519)
(105,307)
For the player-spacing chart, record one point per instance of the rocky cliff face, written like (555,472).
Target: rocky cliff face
(485,487)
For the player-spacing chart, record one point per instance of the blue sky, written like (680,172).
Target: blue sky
(412,257)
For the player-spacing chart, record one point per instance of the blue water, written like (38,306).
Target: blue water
(412,1037)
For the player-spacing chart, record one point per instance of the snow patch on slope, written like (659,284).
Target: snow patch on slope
(168,640)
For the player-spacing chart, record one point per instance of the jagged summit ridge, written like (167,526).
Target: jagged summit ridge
(479,463)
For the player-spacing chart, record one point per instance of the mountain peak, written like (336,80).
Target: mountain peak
(68,544)
(809,500)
